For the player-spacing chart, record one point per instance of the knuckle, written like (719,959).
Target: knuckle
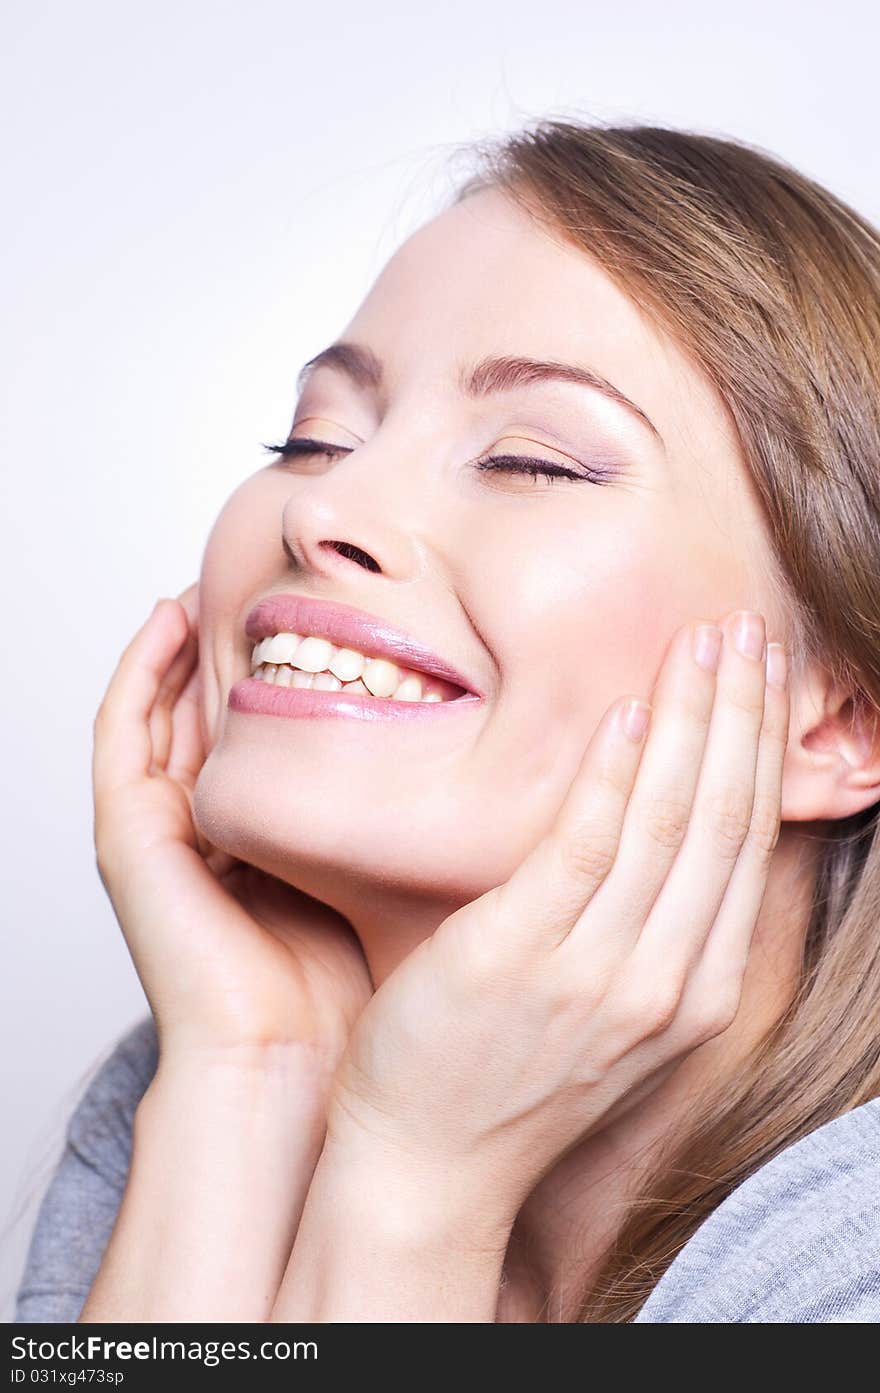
(479,957)
(572,1002)
(650,1007)
(610,779)
(712,1012)
(106,834)
(764,829)
(748,704)
(665,820)
(728,816)
(588,853)
(101,866)
(693,713)
(482,945)
(662,1006)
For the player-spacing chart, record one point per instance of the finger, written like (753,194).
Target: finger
(662,797)
(686,908)
(699,773)
(186,759)
(220,862)
(717,978)
(162,713)
(187,754)
(185,763)
(123,745)
(172,685)
(178,674)
(548,890)
(189,598)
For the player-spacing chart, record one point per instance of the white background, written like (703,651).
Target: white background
(197,196)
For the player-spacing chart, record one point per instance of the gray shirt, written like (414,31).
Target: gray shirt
(798,1241)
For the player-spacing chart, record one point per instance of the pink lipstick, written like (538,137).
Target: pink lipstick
(345,626)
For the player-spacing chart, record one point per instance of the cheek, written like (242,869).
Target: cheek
(584,617)
(583,614)
(243,542)
(240,561)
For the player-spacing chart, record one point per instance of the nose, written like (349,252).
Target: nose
(353,514)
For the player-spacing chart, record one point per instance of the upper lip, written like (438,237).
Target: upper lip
(349,627)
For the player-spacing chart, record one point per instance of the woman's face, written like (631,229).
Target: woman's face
(553,595)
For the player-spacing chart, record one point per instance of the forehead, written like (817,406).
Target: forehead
(484,278)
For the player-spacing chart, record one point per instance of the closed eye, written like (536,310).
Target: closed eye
(301,446)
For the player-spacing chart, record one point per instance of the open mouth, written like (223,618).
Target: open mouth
(309,661)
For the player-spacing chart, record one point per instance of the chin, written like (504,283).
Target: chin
(326,846)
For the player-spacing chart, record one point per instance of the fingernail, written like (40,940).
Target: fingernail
(777,665)
(707,646)
(635,719)
(748,634)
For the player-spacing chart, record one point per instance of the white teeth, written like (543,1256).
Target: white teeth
(347,664)
(381,677)
(410,689)
(305,661)
(313,655)
(281,648)
(282,675)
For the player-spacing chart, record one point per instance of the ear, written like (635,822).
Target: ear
(832,764)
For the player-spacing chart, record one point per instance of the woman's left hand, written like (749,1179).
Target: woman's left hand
(616,947)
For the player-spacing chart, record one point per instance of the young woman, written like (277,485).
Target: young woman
(493,827)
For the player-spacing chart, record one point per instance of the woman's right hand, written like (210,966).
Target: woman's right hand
(229,956)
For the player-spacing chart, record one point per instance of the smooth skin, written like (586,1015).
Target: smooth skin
(617,946)
(574,982)
(499,965)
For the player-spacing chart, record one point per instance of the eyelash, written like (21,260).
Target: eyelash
(511,464)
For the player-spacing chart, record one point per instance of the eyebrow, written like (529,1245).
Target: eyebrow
(487,376)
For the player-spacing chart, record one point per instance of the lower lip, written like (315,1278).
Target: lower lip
(265,699)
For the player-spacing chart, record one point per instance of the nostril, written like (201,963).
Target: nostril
(354,554)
